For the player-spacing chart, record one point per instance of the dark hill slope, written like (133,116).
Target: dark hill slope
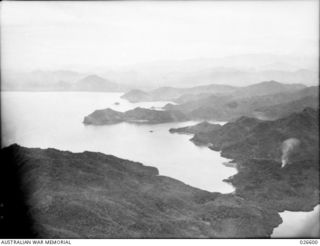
(92,195)
(252,138)
(264,139)
(256,147)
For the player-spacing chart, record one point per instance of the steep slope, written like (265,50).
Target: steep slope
(92,195)
(252,138)
(260,148)
(230,132)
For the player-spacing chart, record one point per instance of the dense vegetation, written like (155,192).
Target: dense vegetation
(92,195)
(256,147)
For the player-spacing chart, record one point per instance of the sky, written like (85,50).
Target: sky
(57,35)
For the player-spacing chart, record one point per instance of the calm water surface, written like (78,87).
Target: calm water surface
(299,224)
(54,119)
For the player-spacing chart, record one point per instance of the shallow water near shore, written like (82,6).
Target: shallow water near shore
(299,224)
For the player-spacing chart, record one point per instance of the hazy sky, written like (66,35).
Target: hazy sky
(49,35)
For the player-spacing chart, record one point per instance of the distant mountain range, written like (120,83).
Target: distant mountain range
(190,77)
(245,77)
(185,94)
(239,70)
(266,88)
(60,81)
(265,100)
(173,94)
(285,109)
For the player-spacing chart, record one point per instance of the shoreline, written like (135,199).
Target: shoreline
(212,213)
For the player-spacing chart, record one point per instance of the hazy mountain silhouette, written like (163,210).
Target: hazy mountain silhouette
(172,93)
(96,83)
(247,101)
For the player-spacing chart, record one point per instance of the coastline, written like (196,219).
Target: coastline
(163,201)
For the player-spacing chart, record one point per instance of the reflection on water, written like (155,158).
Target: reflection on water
(299,224)
(51,119)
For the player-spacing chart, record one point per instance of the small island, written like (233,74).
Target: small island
(268,100)
(93,195)
(137,115)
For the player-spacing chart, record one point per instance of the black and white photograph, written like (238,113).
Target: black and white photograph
(160,120)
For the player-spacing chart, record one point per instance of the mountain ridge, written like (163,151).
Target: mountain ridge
(256,147)
(93,195)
